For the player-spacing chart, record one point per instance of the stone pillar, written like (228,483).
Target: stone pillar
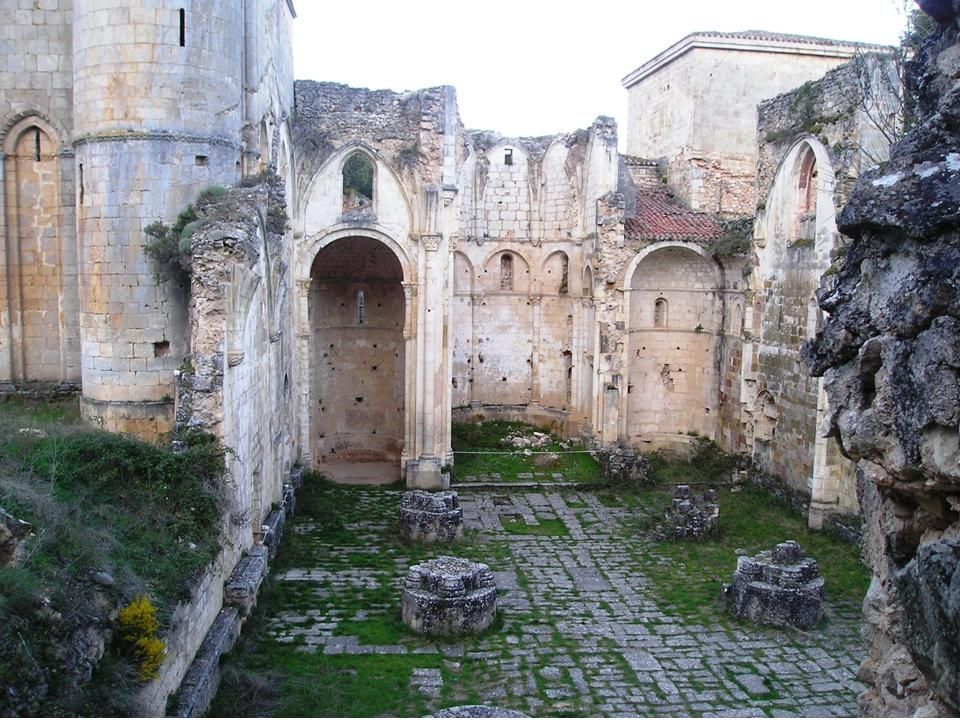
(410,376)
(304,367)
(536,305)
(424,472)
(824,489)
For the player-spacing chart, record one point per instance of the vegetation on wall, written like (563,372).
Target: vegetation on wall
(111,519)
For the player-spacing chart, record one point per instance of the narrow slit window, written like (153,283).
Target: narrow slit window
(506,272)
(183,27)
(80,183)
(361,309)
(36,144)
(660,313)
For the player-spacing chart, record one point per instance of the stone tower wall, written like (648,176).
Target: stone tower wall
(157,97)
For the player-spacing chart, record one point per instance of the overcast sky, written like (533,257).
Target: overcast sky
(538,68)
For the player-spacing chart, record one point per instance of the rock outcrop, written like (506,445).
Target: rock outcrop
(890,353)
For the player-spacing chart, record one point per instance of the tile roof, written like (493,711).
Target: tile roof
(660,216)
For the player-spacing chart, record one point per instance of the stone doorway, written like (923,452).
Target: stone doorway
(358,366)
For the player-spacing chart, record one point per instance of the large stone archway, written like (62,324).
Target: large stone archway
(357,369)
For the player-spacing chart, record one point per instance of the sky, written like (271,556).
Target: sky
(525,67)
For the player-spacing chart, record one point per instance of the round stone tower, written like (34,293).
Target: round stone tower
(157,112)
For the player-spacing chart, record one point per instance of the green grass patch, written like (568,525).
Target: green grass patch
(517,526)
(96,502)
(688,576)
(509,463)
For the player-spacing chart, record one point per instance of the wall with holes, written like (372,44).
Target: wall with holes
(357,317)
(675,312)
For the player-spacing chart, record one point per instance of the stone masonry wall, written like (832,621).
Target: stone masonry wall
(888,354)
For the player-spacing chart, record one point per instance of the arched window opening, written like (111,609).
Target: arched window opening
(357,184)
(807,196)
(361,309)
(506,271)
(564,275)
(587,289)
(660,313)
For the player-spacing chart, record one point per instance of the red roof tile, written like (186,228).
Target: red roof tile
(660,216)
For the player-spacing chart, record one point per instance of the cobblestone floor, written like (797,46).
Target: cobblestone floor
(580,633)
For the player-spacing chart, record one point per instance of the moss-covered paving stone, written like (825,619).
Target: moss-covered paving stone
(593,619)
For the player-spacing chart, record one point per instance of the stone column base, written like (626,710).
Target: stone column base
(144,420)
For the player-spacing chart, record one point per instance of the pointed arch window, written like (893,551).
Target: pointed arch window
(357,184)
(807,196)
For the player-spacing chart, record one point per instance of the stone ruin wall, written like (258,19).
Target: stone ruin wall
(888,355)
(522,309)
(818,135)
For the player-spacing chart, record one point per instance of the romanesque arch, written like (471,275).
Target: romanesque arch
(357,347)
(39,298)
(674,326)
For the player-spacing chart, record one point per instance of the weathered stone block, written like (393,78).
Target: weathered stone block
(201,681)
(690,516)
(448,596)
(273,531)
(929,590)
(777,587)
(240,589)
(430,517)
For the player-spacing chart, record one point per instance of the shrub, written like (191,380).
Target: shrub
(138,625)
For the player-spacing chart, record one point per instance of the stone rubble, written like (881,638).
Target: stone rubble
(430,517)
(777,587)
(691,516)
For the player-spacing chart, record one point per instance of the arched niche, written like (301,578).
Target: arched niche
(40,270)
(555,274)
(673,331)
(357,316)
(506,271)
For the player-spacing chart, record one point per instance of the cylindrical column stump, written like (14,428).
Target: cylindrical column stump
(430,517)
(448,597)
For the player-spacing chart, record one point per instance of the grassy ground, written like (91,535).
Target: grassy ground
(689,575)
(308,684)
(96,502)
(351,533)
(508,463)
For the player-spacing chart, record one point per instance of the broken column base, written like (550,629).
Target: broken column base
(448,597)
(430,517)
(777,587)
(426,474)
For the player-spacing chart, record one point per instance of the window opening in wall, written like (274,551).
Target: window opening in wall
(201,160)
(183,27)
(660,313)
(361,309)
(807,198)
(161,349)
(508,156)
(564,275)
(36,144)
(357,183)
(80,183)
(506,272)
